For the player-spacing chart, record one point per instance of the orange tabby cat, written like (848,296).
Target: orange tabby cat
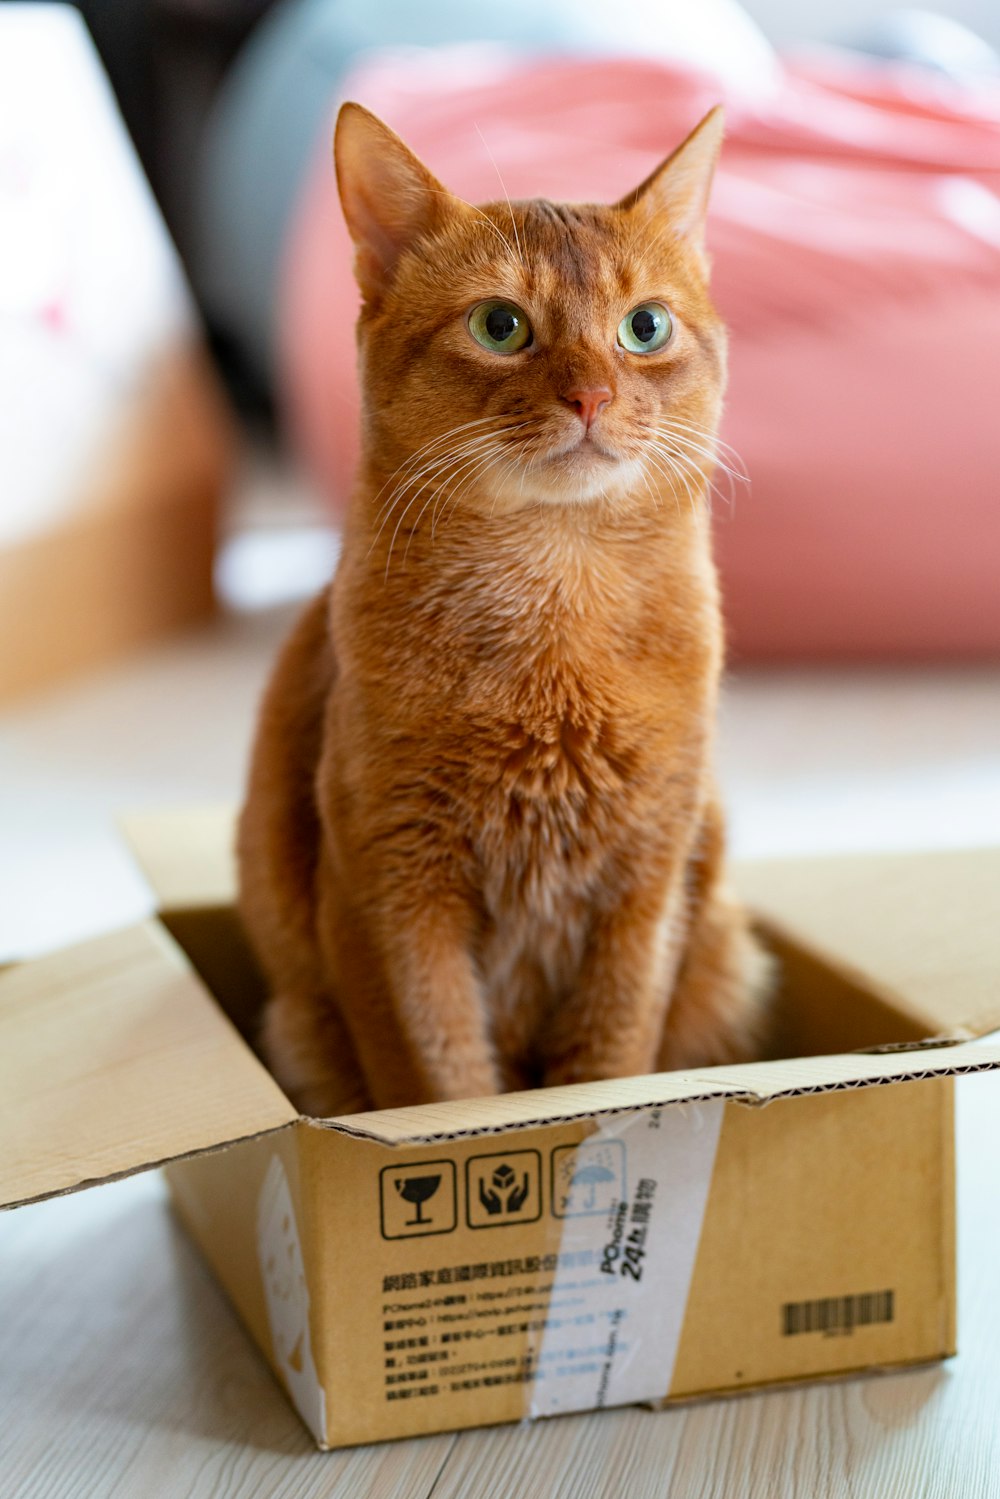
(481,848)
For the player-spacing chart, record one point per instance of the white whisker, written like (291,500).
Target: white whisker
(683,449)
(695,468)
(697,450)
(432,472)
(429,461)
(714,440)
(649,488)
(426,448)
(485,216)
(711,446)
(669,475)
(508,461)
(427,472)
(471,459)
(503,189)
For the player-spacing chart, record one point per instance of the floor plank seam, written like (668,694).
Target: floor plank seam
(444,1463)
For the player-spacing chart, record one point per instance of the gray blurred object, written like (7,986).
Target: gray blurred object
(929,40)
(269,112)
(165,59)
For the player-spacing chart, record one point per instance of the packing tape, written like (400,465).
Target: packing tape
(633,1198)
(279,1253)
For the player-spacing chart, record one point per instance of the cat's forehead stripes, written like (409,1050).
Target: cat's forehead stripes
(565,246)
(569,257)
(566,241)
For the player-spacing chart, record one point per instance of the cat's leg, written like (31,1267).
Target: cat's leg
(311,1054)
(673,976)
(719,1009)
(612,1023)
(303,1038)
(411,996)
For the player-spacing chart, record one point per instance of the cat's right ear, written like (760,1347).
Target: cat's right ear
(677,191)
(389,197)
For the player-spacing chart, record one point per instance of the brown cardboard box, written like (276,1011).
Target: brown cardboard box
(659,1238)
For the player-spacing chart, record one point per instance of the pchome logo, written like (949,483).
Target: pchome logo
(613,1249)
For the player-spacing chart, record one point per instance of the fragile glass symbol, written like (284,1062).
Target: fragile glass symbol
(416,1190)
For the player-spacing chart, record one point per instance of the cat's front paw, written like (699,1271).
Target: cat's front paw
(473,1080)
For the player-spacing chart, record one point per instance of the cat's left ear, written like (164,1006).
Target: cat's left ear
(678,190)
(389,198)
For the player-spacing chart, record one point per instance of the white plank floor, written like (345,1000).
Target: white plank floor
(123,1371)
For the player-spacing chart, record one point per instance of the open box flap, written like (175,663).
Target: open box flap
(187,854)
(922,929)
(114,1058)
(756,1083)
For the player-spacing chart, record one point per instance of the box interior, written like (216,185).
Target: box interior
(873,952)
(819,1011)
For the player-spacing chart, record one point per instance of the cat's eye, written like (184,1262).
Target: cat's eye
(646,328)
(500,327)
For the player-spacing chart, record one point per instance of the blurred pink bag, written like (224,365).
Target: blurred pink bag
(855,235)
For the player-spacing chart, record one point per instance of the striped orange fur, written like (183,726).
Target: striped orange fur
(481,847)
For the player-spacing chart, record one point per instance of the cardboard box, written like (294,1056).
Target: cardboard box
(457,1265)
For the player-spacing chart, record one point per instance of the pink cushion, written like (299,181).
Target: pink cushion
(855,235)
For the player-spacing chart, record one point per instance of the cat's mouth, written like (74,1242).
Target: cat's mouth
(586,450)
(582,470)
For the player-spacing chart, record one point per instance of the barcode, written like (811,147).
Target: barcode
(837,1314)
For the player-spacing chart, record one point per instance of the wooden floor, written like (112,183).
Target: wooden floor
(123,1372)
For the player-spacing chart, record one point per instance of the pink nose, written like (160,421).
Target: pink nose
(588,404)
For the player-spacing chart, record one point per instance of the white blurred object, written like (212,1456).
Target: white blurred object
(266,568)
(715,36)
(279,546)
(91,291)
(930,40)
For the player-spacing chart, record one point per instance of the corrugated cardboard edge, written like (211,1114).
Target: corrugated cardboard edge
(169,1160)
(949,1225)
(886,1069)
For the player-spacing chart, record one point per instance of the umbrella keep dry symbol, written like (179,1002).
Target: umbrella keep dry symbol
(587,1179)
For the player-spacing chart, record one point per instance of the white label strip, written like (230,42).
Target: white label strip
(287,1294)
(633,1199)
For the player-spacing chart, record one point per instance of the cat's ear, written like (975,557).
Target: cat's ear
(677,192)
(388,196)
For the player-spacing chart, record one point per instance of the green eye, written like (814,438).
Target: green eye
(646,328)
(500,327)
